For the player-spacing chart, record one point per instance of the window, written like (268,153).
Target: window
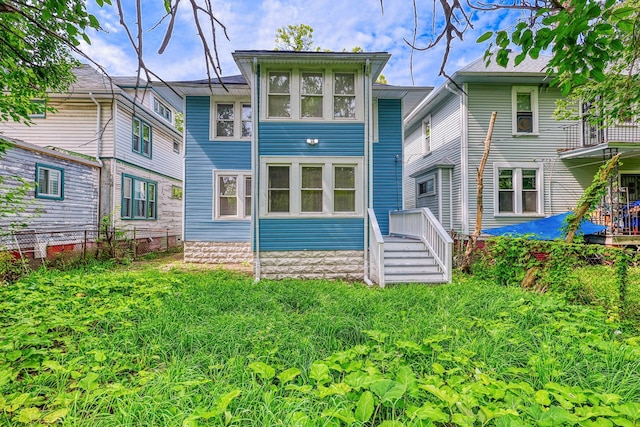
(141,137)
(427,186)
(279,94)
(162,110)
(426,135)
(232,193)
(231,120)
(50,182)
(524,106)
(344,98)
(318,94)
(311,95)
(39,109)
(319,186)
(519,189)
(176,192)
(139,198)
(176,146)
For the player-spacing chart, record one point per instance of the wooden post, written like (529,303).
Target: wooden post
(465,265)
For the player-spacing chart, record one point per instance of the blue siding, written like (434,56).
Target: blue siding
(387,168)
(332,234)
(201,157)
(290,139)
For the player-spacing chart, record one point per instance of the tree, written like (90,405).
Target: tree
(295,37)
(594,44)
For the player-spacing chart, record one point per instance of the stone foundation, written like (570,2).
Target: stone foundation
(218,252)
(345,265)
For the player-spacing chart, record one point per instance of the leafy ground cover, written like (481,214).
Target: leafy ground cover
(154,346)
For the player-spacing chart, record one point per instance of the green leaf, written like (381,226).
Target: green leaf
(388,390)
(264,371)
(56,415)
(14,355)
(342,414)
(52,364)
(486,36)
(288,375)
(449,397)
(226,399)
(429,411)
(28,415)
(598,422)
(320,373)
(438,368)
(391,423)
(542,398)
(365,407)
(340,389)
(462,420)
(630,409)
(99,356)
(88,383)
(623,422)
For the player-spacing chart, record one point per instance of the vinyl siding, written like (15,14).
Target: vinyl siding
(445,148)
(163,159)
(564,182)
(202,158)
(290,139)
(79,208)
(72,127)
(387,162)
(311,234)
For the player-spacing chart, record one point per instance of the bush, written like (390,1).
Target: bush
(10,267)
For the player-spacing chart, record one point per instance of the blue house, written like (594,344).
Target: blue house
(296,166)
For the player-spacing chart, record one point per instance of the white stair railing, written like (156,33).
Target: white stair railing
(422,224)
(376,250)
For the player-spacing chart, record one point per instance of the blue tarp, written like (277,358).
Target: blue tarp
(550,228)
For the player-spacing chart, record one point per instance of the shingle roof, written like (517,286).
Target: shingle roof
(528,65)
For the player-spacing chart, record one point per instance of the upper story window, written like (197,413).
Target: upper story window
(312,187)
(344,96)
(232,120)
(311,98)
(138,198)
(162,110)
(39,109)
(524,110)
(426,135)
(50,180)
(325,94)
(141,141)
(519,189)
(279,94)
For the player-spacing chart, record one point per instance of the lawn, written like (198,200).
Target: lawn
(158,346)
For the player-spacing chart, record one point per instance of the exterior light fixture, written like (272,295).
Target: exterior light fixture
(312,141)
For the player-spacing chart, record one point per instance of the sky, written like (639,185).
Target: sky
(252,25)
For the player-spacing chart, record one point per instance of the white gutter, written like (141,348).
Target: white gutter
(184,169)
(368,161)
(255,167)
(464,158)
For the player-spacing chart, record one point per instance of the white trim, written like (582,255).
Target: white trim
(237,118)
(295,93)
(162,105)
(464,158)
(295,165)
(426,144)
(423,180)
(517,188)
(533,91)
(241,176)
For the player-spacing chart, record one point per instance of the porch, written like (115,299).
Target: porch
(584,135)
(417,249)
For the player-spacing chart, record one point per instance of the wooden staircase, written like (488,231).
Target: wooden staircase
(407,260)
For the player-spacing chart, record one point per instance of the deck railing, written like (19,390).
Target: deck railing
(422,224)
(581,134)
(376,250)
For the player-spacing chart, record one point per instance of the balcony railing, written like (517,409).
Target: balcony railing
(582,134)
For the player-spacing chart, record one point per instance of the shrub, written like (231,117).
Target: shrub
(10,267)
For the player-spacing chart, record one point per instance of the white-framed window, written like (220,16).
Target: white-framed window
(524,110)
(139,198)
(162,110)
(232,194)
(426,186)
(311,186)
(279,94)
(312,94)
(39,109)
(518,189)
(141,139)
(426,135)
(231,119)
(50,182)
(176,146)
(344,96)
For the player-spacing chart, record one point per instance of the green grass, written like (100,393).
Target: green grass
(149,347)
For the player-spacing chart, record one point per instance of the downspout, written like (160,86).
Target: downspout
(255,167)
(368,161)
(98,148)
(464,150)
(184,169)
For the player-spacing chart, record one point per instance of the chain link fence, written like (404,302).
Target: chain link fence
(37,246)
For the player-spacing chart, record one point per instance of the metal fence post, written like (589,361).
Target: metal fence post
(167,240)
(84,247)
(135,245)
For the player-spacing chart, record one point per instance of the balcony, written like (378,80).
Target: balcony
(584,135)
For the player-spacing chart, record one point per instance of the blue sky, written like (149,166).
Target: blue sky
(252,24)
